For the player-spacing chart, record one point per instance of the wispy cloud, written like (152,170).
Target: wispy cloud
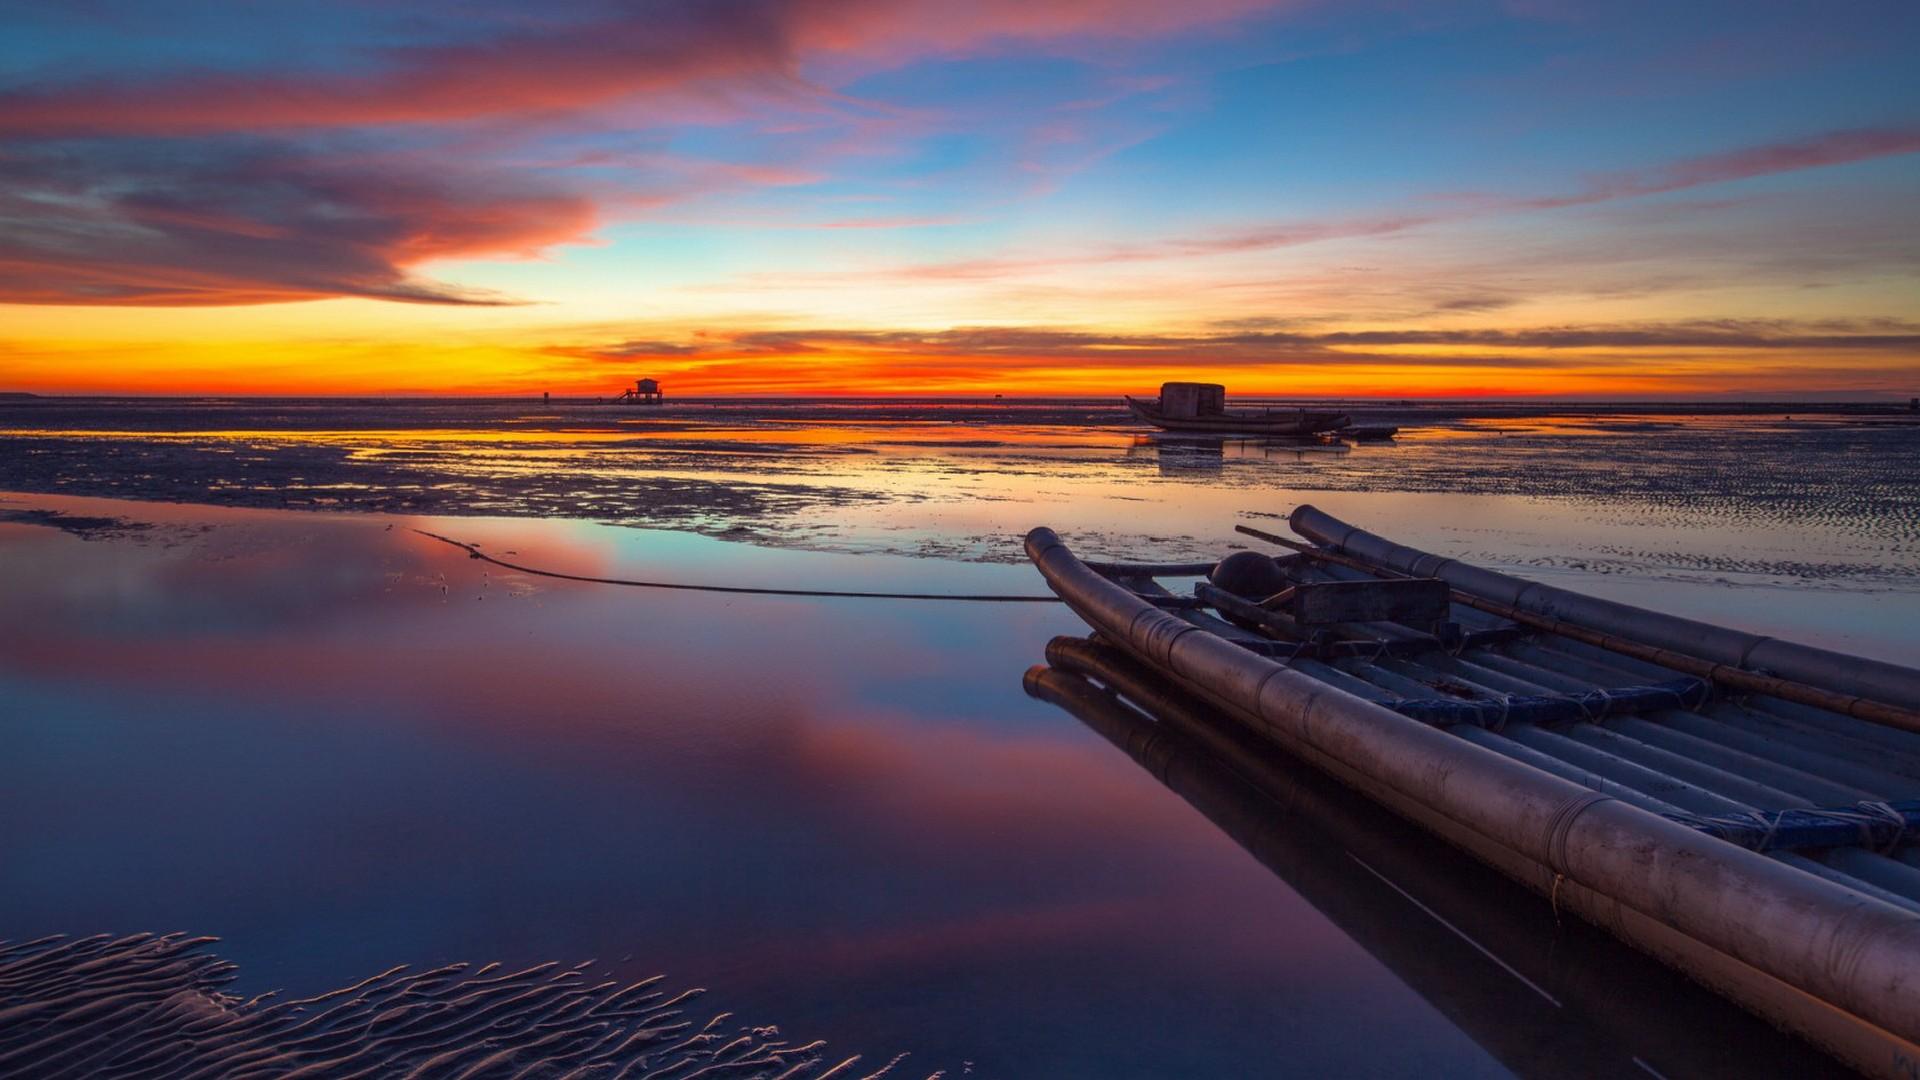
(640,49)
(1048,345)
(1868,355)
(507,138)
(1815,151)
(209,187)
(245,221)
(1745,163)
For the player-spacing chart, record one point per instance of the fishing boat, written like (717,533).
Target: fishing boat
(1743,808)
(1202,407)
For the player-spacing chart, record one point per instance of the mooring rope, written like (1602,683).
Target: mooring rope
(746,590)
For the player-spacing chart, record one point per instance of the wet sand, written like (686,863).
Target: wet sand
(1757,518)
(155,1006)
(906,477)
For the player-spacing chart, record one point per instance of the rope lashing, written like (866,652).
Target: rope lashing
(1876,826)
(1883,812)
(1593,705)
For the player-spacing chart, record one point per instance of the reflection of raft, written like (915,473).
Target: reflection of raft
(1540,996)
(1729,803)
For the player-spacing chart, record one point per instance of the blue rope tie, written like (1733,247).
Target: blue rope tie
(1593,705)
(1877,826)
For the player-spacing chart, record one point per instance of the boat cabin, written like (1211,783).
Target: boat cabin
(1187,400)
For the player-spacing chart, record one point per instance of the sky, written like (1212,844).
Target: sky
(916,197)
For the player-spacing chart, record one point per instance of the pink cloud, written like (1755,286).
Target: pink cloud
(632,55)
(527,75)
(1766,159)
(893,26)
(164,190)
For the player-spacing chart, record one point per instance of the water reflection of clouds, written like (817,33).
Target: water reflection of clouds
(285,733)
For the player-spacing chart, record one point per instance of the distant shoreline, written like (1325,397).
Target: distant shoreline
(1468,406)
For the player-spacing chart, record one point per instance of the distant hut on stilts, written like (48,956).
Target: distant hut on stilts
(642,392)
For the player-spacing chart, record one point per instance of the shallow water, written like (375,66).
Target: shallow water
(339,745)
(1824,501)
(1805,526)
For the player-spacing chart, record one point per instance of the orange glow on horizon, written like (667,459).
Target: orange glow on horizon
(518,362)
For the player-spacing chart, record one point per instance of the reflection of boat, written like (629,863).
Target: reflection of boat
(1201,407)
(1182,454)
(1662,777)
(1541,997)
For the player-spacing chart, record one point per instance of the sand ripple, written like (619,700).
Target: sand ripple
(152,1006)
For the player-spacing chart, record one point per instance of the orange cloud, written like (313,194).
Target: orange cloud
(1045,345)
(1627,358)
(1871,357)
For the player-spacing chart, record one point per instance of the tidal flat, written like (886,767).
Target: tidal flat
(244,697)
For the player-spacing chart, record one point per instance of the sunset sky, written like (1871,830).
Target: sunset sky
(1005,196)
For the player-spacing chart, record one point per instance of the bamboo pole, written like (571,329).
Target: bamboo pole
(1853,705)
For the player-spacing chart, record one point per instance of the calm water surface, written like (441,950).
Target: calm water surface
(339,746)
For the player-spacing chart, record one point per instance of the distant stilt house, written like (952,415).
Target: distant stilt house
(643,392)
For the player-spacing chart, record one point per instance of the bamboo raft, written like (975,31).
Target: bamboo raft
(1745,809)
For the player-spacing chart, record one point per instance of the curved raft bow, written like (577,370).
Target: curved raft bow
(1612,758)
